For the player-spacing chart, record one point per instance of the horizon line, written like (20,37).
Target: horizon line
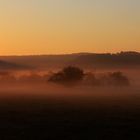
(18,55)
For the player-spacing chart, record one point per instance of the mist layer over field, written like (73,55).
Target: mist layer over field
(32,107)
(35,86)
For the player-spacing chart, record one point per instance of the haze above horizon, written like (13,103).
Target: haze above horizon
(69,26)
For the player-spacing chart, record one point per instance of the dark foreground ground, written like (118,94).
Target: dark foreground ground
(64,118)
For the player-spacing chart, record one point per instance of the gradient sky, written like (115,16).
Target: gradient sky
(67,26)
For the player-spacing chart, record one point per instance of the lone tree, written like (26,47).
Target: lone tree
(69,74)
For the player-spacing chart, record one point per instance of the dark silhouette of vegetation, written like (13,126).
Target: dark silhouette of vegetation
(107,79)
(118,79)
(74,74)
(69,74)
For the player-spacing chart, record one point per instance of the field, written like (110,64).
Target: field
(49,111)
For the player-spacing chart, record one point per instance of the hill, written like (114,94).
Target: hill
(4,65)
(86,60)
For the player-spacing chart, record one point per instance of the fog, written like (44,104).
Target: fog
(34,85)
(32,106)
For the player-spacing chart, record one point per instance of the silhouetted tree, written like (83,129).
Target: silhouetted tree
(69,74)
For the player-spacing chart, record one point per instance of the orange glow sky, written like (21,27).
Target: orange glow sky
(68,26)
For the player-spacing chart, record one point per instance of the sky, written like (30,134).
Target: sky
(69,26)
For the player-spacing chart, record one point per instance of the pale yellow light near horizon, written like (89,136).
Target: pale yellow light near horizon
(52,27)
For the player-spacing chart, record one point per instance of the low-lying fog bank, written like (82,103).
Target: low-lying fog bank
(32,105)
(73,85)
(80,96)
(71,76)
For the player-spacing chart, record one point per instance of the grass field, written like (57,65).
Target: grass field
(56,112)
